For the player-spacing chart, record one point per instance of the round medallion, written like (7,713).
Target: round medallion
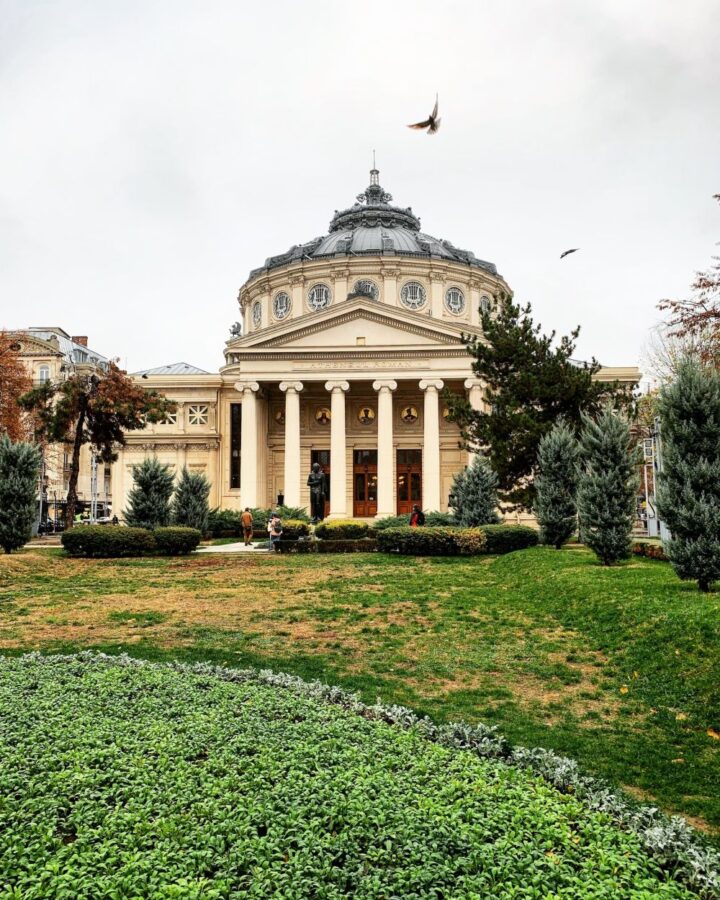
(366,415)
(322,415)
(413,295)
(367,287)
(281,305)
(257,313)
(409,415)
(446,412)
(455,301)
(318,297)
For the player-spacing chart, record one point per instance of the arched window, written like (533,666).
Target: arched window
(44,373)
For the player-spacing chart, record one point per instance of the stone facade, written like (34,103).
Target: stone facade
(347,344)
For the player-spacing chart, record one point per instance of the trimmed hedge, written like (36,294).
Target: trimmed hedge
(648,549)
(362,545)
(226,522)
(176,540)
(431,518)
(429,541)
(507,538)
(292,529)
(342,529)
(112,541)
(108,541)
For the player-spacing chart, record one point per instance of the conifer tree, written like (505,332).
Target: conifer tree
(474,494)
(608,486)
(190,503)
(556,485)
(19,469)
(149,499)
(689,484)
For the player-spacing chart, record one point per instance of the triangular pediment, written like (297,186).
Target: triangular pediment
(352,324)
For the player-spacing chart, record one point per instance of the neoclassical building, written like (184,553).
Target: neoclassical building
(345,346)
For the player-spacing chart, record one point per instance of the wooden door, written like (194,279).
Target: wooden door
(364,483)
(409,480)
(323,457)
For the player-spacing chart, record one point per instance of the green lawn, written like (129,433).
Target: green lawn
(617,667)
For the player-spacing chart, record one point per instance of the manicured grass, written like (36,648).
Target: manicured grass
(150,782)
(616,667)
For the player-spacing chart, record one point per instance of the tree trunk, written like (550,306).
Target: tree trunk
(75,466)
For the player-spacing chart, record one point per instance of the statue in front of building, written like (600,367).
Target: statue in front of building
(317,482)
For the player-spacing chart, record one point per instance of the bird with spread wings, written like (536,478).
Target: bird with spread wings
(432,123)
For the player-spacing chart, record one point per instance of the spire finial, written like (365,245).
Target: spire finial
(374,174)
(373,159)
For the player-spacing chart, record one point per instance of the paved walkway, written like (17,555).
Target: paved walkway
(238,547)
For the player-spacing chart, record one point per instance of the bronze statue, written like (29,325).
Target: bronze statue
(317,482)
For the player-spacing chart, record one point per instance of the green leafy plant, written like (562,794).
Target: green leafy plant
(108,541)
(176,540)
(19,469)
(501,539)
(342,529)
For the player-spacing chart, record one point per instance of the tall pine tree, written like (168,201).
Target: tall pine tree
(190,503)
(531,381)
(19,469)
(149,499)
(689,485)
(556,485)
(474,496)
(608,486)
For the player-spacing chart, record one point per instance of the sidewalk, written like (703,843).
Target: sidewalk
(238,547)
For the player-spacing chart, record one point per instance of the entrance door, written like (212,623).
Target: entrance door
(364,483)
(323,457)
(409,480)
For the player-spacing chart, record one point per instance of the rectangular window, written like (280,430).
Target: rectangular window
(235,444)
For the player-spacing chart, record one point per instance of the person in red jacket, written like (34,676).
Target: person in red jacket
(417,517)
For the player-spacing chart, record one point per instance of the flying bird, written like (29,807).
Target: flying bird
(432,123)
(567,252)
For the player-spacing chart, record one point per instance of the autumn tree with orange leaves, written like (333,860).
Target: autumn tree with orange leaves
(95,409)
(14,382)
(697,319)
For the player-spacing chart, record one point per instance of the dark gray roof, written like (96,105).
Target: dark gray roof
(373,226)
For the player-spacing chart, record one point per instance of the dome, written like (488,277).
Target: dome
(374,227)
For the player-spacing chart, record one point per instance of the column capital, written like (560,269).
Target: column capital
(385,385)
(431,384)
(296,386)
(243,386)
(471,383)
(333,386)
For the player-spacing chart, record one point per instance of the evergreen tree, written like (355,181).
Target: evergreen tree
(149,499)
(474,495)
(689,485)
(530,382)
(19,470)
(190,503)
(556,485)
(608,486)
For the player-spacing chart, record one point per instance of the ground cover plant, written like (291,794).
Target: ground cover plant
(129,780)
(615,667)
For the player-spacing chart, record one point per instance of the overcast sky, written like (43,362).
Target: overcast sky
(152,153)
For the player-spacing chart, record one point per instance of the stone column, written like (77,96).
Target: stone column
(248,443)
(386,463)
(291,488)
(338,451)
(431,444)
(474,387)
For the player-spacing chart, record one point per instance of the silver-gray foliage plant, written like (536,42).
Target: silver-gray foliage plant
(689,485)
(190,503)
(556,484)
(19,469)
(149,499)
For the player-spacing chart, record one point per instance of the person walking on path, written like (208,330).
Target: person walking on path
(275,531)
(246,520)
(417,517)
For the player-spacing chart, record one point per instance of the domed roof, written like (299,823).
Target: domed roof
(372,227)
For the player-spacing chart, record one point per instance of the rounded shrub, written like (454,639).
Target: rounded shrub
(342,530)
(507,538)
(292,529)
(108,541)
(224,523)
(176,540)
(419,541)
